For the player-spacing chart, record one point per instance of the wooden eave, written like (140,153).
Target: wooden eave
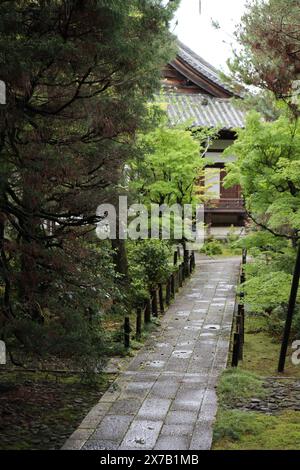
(199,79)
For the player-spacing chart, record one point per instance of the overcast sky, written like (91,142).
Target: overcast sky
(197,32)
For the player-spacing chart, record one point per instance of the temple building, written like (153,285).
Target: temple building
(194,92)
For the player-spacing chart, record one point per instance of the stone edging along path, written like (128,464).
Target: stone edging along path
(165,398)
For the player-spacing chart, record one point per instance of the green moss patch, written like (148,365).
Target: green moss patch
(236,385)
(239,430)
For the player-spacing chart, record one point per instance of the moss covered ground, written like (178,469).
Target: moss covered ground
(238,429)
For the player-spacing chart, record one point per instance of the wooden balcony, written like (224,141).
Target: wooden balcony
(235,205)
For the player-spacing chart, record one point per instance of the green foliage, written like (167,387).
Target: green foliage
(79,77)
(236,384)
(232,236)
(269,276)
(212,248)
(170,168)
(268,168)
(149,265)
(267,289)
(268,52)
(73,338)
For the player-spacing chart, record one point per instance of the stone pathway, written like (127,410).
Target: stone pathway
(166,399)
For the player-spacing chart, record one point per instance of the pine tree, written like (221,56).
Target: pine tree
(78,78)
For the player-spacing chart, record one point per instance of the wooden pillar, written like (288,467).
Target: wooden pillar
(147,313)
(290,313)
(161,299)
(127,332)
(138,332)
(154,303)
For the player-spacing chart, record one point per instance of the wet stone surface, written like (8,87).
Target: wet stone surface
(166,399)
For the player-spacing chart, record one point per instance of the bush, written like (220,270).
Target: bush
(149,265)
(212,248)
(276,321)
(72,338)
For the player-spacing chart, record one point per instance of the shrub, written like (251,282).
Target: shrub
(149,265)
(212,248)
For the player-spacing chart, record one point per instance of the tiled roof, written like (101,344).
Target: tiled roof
(203,110)
(199,64)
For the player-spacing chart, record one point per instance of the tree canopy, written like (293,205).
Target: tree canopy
(78,76)
(267,167)
(269,56)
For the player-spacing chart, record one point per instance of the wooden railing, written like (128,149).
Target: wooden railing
(160,297)
(238,331)
(224,203)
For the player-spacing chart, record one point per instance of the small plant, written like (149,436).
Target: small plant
(212,248)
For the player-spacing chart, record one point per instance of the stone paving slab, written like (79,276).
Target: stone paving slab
(165,398)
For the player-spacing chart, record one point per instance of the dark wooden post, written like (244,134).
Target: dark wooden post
(244,261)
(235,352)
(138,332)
(173,285)
(190,264)
(175,258)
(177,280)
(127,332)
(239,329)
(168,292)
(244,256)
(180,275)
(154,303)
(186,263)
(290,313)
(183,271)
(147,313)
(194,260)
(241,313)
(161,299)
